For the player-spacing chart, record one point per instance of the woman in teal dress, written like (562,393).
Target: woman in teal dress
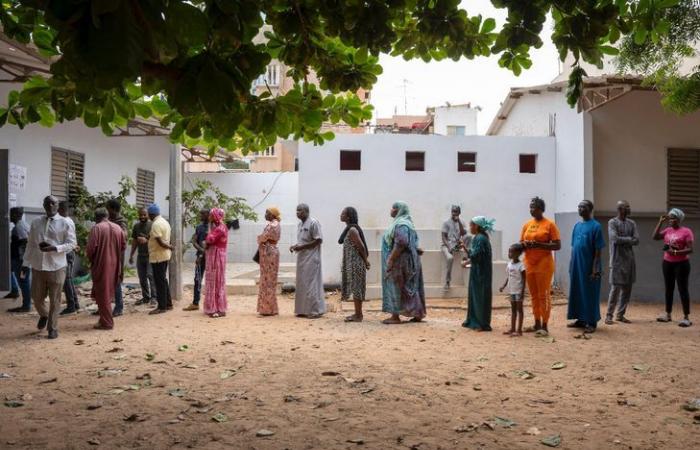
(403,292)
(480,274)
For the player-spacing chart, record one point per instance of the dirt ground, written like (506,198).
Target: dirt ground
(158,382)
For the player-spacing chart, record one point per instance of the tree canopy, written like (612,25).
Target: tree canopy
(192,64)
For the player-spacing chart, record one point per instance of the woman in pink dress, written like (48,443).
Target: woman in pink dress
(269,264)
(215,275)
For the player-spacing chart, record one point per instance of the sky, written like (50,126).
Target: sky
(480,82)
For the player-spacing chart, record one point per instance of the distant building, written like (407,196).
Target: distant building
(448,120)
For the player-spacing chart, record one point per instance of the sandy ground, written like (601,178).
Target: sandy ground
(323,383)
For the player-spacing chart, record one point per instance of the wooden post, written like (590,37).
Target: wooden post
(175,207)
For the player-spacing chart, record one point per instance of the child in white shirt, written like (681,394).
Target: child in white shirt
(515,281)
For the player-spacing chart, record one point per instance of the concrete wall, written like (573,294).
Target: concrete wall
(261,190)
(630,150)
(496,189)
(532,116)
(459,115)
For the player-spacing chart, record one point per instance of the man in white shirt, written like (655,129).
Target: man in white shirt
(50,238)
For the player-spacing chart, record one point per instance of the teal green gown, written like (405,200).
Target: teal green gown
(480,274)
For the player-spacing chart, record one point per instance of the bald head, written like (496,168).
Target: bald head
(623,209)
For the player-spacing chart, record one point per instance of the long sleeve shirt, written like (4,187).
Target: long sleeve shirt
(56,231)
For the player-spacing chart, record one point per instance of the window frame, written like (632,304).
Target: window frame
(73,175)
(414,153)
(535,156)
(682,185)
(352,157)
(472,164)
(145,194)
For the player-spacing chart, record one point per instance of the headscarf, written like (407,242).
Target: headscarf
(353,220)
(484,223)
(403,217)
(677,213)
(154,209)
(217,215)
(275,212)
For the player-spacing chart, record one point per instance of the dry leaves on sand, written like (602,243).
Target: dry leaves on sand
(552,441)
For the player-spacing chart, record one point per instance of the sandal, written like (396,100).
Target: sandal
(541,333)
(664,318)
(589,329)
(685,323)
(392,322)
(353,318)
(623,320)
(416,320)
(577,324)
(531,329)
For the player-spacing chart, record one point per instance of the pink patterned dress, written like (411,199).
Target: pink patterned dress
(215,275)
(269,267)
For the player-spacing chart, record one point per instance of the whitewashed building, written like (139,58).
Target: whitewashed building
(618,144)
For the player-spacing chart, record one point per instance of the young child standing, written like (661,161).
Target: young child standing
(515,281)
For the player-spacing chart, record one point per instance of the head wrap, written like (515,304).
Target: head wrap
(353,220)
(484,223)
(677,213)
(154,209)
(403,218)
(216,215)
(275,212)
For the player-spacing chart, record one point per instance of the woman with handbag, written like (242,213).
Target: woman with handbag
(269,260)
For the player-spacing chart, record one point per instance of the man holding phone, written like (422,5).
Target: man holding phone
(50,238)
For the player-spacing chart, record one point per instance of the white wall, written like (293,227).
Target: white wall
(496,189)
(531,117)
(461,115)
(261,190)
(631,136)
(106,158)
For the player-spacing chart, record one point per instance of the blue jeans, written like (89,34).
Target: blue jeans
(23,285)
(118,299)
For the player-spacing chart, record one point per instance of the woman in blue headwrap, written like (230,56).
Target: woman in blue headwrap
(403,292)
(480,274)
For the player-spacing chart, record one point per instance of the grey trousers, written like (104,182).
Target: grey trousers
(621,293)
(48,283)
(146,280)
(449,257)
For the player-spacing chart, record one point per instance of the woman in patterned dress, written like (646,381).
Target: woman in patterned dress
(269,263)
(215,304)
(355,262)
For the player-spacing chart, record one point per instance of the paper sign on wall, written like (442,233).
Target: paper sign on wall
(18,178)
(12,199)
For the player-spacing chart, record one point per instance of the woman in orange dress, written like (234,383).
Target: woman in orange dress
(540,237)
(269,264)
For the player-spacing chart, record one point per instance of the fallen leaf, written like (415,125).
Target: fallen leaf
(134,418)
(366,391)
(117,340)
(94,441)
(331,419)
(356,441)
(212,361)
(115,391)
(692,405)
(322,404)
(488,425)
(227,342)
(548,339)
(482,358)
(183,348)
(264,433)
(533,431)
(14,403)
(641,367)
(466,428)
(50,380)
(476,387)
(177,392)
(190,366)
(119,357)
(5,375)
(558,365)
(227,374)
(108,373)
(94,406)
(504,422)
(219,417)
(150,356)
(524,374)
(79,342)
(115,350)
(330,373)
(202,410)
(552,441)
(291,398)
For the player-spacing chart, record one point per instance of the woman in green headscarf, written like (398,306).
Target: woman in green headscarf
(403,292)
(480,275)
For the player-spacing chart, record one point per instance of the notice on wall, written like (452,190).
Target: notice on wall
(18,178)
(12,199)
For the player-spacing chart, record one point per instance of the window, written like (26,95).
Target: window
(528,163)
(466,162)
(415,161)
(67,173)
(145,187)
(269,151)
(350,160)
(272,76)
(455,130)
(684,180)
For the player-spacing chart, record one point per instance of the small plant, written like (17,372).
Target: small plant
(204,195)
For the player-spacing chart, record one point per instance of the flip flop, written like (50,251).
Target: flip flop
(353,318)
(685,323)
(530,329)
(663,318)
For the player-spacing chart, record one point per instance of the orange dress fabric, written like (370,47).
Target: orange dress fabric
(539,265)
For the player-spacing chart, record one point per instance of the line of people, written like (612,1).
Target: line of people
(41,262)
